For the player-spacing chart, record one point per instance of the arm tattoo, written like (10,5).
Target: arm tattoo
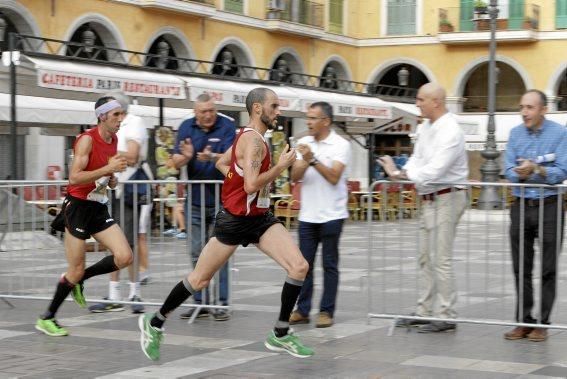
(258,150)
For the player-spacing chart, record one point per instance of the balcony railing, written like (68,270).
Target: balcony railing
(466,19)
(307,12)
(51,48)
(207,2)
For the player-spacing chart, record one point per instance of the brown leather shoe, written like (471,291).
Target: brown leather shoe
(518,333)
(538,335)
(324,320)
(298,318)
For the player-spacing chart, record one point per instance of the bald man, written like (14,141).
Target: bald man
(438,165)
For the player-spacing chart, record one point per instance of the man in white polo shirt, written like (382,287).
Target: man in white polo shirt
(322,166)
(438,163)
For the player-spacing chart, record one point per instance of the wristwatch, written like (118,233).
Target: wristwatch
(313,161)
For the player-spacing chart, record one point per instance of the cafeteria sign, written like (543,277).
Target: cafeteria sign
(95,83)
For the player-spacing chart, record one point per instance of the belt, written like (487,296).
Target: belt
(431,196)
(535,202)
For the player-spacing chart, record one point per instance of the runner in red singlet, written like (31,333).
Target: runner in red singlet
(245,219)
(84,212)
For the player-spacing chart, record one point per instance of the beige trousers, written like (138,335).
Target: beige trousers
(438,227)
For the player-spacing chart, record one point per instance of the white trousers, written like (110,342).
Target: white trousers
(437,233)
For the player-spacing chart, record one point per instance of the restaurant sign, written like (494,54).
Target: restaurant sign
(101,84)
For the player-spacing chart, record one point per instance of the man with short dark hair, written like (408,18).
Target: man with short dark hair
(536,153)
(84,212)
(322,168)
(210,135)
(245,219)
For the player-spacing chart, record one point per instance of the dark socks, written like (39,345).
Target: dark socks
(290,293)
(105,266)
(177,296)
(63,288)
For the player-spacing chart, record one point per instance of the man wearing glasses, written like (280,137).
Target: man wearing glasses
(321,165)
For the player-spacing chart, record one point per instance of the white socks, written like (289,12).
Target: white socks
(114,291)
(134,290)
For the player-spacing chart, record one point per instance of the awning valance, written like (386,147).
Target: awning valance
(49,111)
(231,93)
(73,76)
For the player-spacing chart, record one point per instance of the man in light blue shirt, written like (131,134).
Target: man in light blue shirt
(536,153)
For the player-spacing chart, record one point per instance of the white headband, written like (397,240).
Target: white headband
(107,107)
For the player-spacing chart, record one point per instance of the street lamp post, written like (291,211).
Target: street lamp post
(489,197)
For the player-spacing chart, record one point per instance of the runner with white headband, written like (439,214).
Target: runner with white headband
(84,212)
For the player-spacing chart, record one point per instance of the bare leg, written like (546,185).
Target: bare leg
(113,238)
(213,256)
(75,252)
(277,243)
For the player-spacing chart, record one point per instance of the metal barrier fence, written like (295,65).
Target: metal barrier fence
(481,259)
(37,257)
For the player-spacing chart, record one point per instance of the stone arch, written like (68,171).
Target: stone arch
(180,45)
(294,61)
(242,55)
(105,28)
(21,18)
(505,92)
(342,73)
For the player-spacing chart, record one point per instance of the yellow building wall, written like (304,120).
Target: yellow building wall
(138,25)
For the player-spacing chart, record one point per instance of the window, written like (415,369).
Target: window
(336,16)
(561,14)
(235,6)
(401,17)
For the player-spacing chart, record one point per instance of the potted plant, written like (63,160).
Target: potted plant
(480,7)
(445,26)
(529,23)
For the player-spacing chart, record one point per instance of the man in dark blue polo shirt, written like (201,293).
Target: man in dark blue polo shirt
(201,140)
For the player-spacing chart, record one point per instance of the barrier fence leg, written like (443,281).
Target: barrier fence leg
(7,302)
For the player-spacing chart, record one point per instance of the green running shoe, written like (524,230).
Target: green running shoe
(289,343)
(150,337)
(78,296)
(51,328)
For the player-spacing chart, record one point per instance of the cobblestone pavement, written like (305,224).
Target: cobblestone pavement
(107,345)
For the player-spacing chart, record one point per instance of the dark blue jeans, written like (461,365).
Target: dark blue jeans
(200,234)
(310,235)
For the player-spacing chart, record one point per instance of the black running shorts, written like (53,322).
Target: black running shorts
(242,230)
(82,217)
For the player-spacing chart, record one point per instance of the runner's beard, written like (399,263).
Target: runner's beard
(266,121)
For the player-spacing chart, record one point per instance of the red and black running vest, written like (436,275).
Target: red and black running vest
(101,152)
(235,200)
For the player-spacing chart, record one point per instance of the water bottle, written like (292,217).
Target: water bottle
(545,158)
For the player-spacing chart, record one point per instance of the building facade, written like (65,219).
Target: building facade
(381,48)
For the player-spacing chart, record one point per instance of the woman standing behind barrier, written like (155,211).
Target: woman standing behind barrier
(535,138)
(439,157)
(84,212)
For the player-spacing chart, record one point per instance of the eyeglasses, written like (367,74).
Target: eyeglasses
(311,118)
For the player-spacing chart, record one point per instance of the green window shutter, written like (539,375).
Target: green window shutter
(336,16)
(235,6)
(401,17)
(561,14)
(516,14)
(466,13)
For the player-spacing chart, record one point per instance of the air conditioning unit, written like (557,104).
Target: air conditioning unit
(276,5)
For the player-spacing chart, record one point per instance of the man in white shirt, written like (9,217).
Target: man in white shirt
(439,157)
(322,166)
(133,145)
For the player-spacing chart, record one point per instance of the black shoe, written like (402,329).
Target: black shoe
(203,313)
(221,314)
(137,308)
(438,327)
(408,323)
